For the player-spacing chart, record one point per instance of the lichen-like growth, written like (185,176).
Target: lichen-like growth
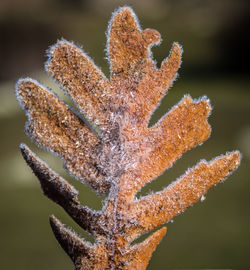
(118,153)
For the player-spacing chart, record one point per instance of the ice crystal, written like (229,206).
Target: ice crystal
(117,153)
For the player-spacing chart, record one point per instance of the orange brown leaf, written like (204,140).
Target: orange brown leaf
(125,154)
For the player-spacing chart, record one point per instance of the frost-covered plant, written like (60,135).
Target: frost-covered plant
(118,153)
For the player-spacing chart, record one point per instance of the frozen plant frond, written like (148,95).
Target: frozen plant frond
(125,154)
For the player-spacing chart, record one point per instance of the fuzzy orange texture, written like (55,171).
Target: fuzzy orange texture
(117,154)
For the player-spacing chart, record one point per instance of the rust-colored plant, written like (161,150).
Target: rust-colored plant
(117,153)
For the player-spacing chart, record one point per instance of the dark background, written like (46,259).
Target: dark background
(215,37)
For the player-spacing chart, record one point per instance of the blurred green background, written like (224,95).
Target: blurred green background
(215,37)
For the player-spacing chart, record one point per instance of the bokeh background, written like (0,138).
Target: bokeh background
(212,234)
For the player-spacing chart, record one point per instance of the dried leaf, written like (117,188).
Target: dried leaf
(126,153)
